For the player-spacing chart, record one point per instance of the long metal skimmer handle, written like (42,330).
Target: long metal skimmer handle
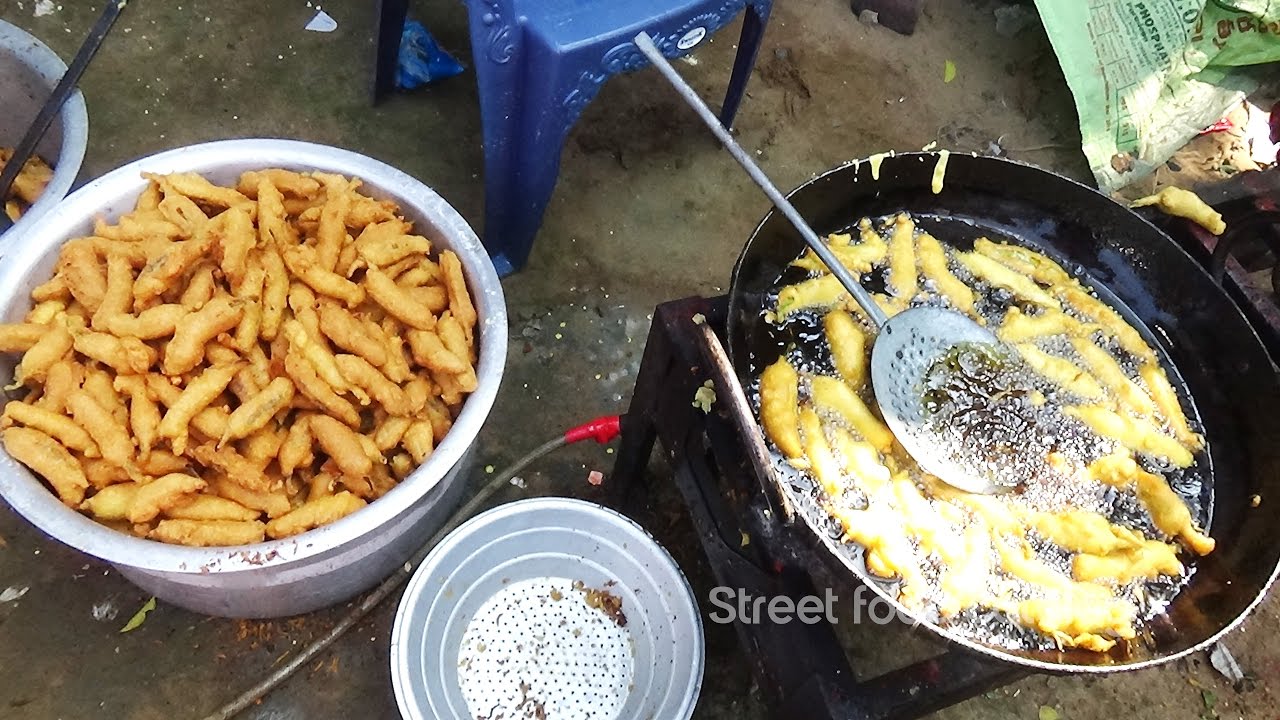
(53,105)
(646,46)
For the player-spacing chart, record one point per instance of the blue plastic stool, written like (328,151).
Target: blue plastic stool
(539,63)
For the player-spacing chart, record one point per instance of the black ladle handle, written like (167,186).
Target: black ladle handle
(53,105)
(863,298)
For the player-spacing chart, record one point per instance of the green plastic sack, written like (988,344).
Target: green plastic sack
(1232,34)
(1148,75)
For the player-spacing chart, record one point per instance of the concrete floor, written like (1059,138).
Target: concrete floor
(647,210)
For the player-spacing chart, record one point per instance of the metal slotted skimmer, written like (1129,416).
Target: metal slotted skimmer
(908,347)
(920,337)
(548,609)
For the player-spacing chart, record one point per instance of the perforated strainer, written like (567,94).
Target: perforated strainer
(548,609)
(921,337)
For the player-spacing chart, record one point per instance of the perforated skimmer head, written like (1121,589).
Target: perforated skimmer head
(908,346)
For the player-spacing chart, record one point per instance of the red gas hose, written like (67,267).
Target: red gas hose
(602,429)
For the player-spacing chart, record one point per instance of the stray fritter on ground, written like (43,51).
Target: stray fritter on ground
(227,364)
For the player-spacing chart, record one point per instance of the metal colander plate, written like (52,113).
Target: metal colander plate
(547,609)
(537,643)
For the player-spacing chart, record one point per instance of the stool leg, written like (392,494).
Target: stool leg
(391,15)
(499,110)
(525,126)
(497,52)
(754,20)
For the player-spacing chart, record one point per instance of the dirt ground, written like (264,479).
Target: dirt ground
(647,209)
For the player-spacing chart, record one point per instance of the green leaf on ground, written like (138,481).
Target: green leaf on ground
(948,72)
(140,616)
(1048,713)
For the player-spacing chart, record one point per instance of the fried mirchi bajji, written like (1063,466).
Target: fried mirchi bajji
(1066,571)
(224,365)
(32,179)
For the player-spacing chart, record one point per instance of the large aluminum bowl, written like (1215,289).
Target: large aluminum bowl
(28,72)
(328,564)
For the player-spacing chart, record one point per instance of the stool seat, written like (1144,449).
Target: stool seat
(571,22)
(538,63)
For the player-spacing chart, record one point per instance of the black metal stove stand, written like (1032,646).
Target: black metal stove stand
(721,469)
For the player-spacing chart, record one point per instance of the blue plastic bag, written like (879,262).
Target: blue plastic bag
(421,60)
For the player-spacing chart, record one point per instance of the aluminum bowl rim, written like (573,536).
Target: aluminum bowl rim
(51,516)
